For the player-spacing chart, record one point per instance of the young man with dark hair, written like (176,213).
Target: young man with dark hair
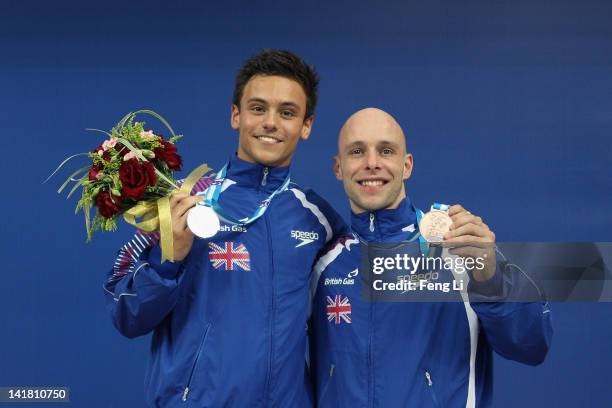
(228,316)
(369,351)
(284,64)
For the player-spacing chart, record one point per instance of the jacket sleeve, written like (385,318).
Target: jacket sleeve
(139,290)
(516,330)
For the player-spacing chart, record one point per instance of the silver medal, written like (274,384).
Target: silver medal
(203,221)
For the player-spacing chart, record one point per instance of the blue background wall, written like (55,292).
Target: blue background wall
(507,108)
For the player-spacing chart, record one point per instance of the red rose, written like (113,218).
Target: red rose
(94,171)
(136,177)
(168,154)
(121,149)
(107,207)
(105,155)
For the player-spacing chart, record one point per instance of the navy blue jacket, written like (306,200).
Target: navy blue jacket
(410,354)
(229,322)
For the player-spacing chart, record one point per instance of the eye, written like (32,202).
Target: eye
(257,109)
(387,151)
(356,151)
(287,114)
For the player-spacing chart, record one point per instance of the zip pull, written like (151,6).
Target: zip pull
(428,377)
(331,370)
(185,394)
(371,222)
(265,176)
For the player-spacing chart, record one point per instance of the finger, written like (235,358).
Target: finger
(464,240)
(456,209)
(176,198)
(482,258)
(179,224)
(469,252)
(185,204)
(465,218)
(486,249)
(468,229)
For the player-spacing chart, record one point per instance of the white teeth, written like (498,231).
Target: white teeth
(372,183)
(267,139)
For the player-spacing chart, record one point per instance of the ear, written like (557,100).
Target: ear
(337,168)
(306,127)
(408,163)
(235,117)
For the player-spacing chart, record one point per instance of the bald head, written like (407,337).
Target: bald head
(372,161)
(368,122)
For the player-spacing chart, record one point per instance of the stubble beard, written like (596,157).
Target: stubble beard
(376,205)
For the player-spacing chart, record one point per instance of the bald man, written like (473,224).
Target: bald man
(407,354)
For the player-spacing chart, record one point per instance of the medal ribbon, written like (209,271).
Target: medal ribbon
(211,199)
(422,241)
(440,207)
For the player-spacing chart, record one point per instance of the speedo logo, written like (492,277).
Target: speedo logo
(304,237)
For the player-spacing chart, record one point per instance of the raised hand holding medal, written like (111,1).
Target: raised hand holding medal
(180,205)
(475,240)
(465,233)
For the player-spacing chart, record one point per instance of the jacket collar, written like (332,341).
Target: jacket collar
(386,225)
(255,175)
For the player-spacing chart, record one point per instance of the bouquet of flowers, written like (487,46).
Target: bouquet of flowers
(131,174)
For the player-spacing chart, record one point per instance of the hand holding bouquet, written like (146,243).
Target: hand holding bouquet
(131,174)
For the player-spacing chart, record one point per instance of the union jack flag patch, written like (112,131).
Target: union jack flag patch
(229,256)
(338,309)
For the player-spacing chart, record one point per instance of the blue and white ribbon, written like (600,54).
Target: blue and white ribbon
(211,199)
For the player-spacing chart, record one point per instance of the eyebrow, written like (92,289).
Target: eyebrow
(355,143)
(390,144)
(282,104)
(291,104)
(381,143)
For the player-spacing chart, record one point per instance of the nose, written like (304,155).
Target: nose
(372,160)
(269,121)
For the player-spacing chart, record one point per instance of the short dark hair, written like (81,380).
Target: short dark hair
(282,63)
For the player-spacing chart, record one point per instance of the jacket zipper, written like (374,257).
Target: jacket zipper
(371,336)
(271,323)
(195,363)
(264,180)
(431,390)
(370,353)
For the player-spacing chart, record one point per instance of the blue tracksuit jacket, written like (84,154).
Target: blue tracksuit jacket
(228,323)
(410,354)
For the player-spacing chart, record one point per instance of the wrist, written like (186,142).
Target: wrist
(167,269)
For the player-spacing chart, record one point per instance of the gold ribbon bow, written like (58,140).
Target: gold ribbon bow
(156,214)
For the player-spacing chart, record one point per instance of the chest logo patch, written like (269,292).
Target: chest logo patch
(339,309)
(304,237)
(229,256)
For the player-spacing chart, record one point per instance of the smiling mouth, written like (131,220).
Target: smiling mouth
(373,183)
(268,139)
